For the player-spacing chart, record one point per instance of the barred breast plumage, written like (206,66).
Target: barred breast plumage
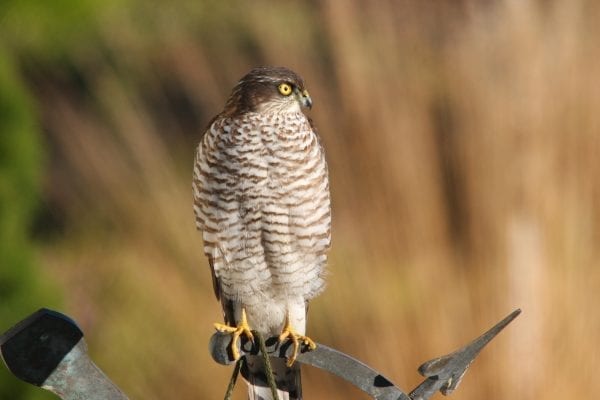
(261,200)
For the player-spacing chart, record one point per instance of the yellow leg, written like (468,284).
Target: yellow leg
(296,338)
(236,331)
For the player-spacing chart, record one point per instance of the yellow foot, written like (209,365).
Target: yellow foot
(236,331)
(296,338)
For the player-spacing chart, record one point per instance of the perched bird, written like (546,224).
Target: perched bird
(261,200)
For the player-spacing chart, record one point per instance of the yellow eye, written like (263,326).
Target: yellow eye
(285,89)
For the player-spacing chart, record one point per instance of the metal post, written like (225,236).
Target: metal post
(47,349)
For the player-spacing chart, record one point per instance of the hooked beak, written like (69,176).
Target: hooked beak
(305,99)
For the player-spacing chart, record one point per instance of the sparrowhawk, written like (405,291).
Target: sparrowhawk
(261,200)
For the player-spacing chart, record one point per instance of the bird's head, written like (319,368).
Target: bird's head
(269,90)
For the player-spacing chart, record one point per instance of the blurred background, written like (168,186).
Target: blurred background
(463,140)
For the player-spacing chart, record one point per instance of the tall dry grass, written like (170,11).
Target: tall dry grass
(463,142)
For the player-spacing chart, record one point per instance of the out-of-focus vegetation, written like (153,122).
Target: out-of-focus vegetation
(463,140)
(22,287)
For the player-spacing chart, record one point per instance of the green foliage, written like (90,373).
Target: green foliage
(21,289)
(46,28)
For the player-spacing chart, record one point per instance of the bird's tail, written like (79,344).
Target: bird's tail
(287,379)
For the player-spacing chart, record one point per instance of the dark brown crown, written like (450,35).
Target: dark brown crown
(257,86)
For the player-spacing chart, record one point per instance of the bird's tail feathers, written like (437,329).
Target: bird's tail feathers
(287,379)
